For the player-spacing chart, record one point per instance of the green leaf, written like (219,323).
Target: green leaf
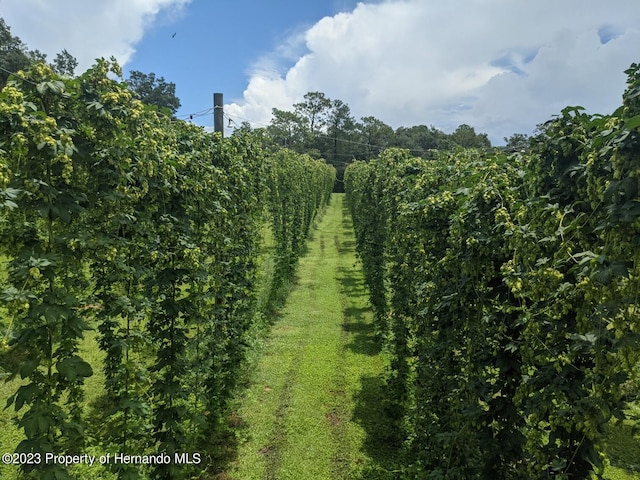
(74,367)
(40,262)
(55,86)
(27,367)
(542,261)
(25,394)
(633,122)
(585,257)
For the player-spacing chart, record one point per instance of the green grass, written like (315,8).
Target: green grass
(623,447)
(309,408)
(10,435)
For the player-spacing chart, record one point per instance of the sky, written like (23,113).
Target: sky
(501,66)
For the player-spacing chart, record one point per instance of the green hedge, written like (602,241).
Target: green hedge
(507,293)
(149,229)
(299,187)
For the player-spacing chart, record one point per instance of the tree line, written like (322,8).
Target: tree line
(326,128)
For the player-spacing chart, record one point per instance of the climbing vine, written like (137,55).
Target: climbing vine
(148,230)
(507,291)
(299,187)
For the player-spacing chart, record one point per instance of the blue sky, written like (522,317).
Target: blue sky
(217,42)
(502,66)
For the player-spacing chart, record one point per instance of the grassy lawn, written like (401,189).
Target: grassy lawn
(10,436)
(313,401)
(623,447)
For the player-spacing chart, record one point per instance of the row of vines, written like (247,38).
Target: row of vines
(149,231)
(506,290)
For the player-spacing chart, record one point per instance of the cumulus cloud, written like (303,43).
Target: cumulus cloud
(500,66)
(88,29)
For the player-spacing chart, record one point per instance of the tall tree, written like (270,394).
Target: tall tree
(245,127)
(315,109)
(65,63)
(340,132)
(466,136)
(154,91)
(374,136)
(517,142)
(14,54)
(340,140)
(288,129)
(420,139)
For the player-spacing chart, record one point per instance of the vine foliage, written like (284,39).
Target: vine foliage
(506,290)
(117,219)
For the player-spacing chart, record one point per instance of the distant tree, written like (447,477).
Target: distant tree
(325,128)
(374,136)
(154,91)
(315,109)
(517,142)
(288,129)
(420,139)
(466,136)
(14,54)
(244,127)
(339,145)
(65,63)
(340,131)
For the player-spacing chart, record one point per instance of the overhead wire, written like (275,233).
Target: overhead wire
(208,111)
(191,116)
(15,74)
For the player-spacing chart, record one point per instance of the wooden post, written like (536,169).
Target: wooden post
(218,113)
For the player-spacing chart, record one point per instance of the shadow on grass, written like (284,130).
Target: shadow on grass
(382,442)
(623,444)
(363,338)
(356,318)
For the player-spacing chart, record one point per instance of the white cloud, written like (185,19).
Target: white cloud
(88,29)
(502,66)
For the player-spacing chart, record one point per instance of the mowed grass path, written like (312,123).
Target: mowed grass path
(313,407)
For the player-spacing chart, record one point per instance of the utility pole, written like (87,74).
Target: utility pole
(218,113)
